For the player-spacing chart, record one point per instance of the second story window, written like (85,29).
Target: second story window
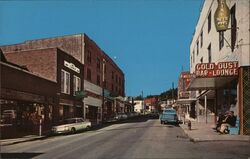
(234,27)
(197,45)
(88,74)
(88,56)
(76,84)
(65,82)
(209,22)
(221,39)
(193,57)
(201,60)
(112,75)
(209,54)
(201,38)
(98,64)
(98,80)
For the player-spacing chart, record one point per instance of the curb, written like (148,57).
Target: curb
(196,139)
(22,141)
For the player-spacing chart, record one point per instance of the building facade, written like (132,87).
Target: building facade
(26,98)
(103,79)
(55,65)
(220,62)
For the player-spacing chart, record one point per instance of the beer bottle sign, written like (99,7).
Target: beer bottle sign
(221,16)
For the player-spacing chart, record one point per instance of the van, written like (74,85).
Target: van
(169,116)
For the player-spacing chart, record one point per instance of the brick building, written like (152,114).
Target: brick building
(103,79)
(55,65)
(25,99)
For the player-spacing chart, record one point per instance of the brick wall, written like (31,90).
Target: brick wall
(41,62)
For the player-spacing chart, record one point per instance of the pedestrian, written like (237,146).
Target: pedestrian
(229,121)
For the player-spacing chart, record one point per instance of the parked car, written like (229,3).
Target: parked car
(169,115)
(71,125)
(120,116)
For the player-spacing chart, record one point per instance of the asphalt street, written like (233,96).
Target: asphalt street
(145,138)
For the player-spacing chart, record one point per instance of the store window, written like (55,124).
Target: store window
(76,84)
(65,82)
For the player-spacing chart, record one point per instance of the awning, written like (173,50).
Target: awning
(186,101)
(210,83)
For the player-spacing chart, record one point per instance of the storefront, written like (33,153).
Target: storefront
(24,104)
(216,89)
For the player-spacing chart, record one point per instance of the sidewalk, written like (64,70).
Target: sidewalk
(204,132)
(6,142)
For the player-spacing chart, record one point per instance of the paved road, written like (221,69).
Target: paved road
(137,139)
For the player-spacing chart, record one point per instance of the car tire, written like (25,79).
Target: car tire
(88,127)
(73,130)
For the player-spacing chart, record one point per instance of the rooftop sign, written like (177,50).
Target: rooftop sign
(222,69)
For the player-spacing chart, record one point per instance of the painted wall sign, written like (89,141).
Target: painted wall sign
(221,16)
(71,66)
(222,69)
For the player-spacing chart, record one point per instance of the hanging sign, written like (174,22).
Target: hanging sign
(222,69)
(221,16)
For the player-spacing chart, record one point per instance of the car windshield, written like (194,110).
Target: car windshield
(69,121)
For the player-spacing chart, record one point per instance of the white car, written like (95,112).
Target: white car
(71,126)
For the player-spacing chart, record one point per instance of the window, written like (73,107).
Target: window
(88,56)
(209,54)
(112,87)
(197,45)
(65,82)
(209,22)
(112,75)
(201,38)
(191,61)
(233,27)
(98,80)
(201,60)
(76,84)
(221,39)
(98,64)
(193,57)
(116,78)
(88,74)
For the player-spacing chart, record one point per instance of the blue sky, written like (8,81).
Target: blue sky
(148,39)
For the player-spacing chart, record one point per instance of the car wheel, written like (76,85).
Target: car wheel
(88,127)
(73,130)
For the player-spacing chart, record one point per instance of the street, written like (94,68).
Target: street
(144,138)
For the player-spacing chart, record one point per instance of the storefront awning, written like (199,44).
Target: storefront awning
(185,101)
(209,83)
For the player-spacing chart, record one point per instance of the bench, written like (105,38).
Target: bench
(235,130)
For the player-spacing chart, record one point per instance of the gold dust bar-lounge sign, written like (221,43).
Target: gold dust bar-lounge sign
(222,69)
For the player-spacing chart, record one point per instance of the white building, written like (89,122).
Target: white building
(220,63)
(139,106)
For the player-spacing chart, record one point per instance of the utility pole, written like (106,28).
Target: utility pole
(143,108)
(103,85)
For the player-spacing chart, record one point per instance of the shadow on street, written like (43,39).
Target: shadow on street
(19,155)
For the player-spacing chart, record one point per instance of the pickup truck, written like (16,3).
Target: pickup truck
(169,116)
